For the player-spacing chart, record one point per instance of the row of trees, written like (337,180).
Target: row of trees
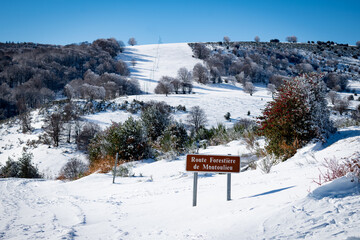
(104,86)
(180,84)
(291,39)
(155,132)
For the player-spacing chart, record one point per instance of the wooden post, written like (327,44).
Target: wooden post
(116,162)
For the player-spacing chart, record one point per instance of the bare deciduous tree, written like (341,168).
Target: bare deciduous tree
(249,88)
(226,40)
(132,41)
(358,44)
(53,127)
(201,51)
(341,105)
(25,119)
(69,115)
(164,86)
(333,96)
(197,118)
(184,75)
(271,89)
(291,39)
(257,39)
(176,83)
(88,131)
(201,74)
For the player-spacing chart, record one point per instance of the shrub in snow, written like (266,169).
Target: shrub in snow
(219,135)
(27,170)
(22,168)
(85,135)
(341,105)
(266,163)
(356,114)
(336,169)
(297,115)
(174,138)
(200,51)
(124,170)
(11,169)
(73,169)
(244,124)
(336,81)
(156,116)
(128,139)
(227,116)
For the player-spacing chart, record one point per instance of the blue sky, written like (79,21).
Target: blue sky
(73,21)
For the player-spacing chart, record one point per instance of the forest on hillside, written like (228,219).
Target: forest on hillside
(32,74)
(272,63)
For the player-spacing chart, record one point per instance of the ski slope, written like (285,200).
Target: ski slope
(156,203)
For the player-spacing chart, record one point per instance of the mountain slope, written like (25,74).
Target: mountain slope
(156,202)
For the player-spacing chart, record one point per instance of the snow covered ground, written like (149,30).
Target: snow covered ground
(157,202)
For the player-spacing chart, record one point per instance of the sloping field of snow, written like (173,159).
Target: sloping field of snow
(156,203)
(157,60)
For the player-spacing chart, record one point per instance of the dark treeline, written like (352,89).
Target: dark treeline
(31,74)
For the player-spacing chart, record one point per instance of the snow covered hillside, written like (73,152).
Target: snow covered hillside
(156,202)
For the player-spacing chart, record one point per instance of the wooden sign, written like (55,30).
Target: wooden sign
(212,163)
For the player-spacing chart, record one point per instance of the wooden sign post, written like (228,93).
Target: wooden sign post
(212,163)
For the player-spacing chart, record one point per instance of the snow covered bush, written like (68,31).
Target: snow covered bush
(73,169)
(201,51)
(336,169)
(297,115)
(341,105)
(128,139)
(156,116)
(85,135)
(124,170)
(23,168)
(266,163)
(174,138)
(11,169)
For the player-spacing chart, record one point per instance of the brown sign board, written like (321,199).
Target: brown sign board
(212,163)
